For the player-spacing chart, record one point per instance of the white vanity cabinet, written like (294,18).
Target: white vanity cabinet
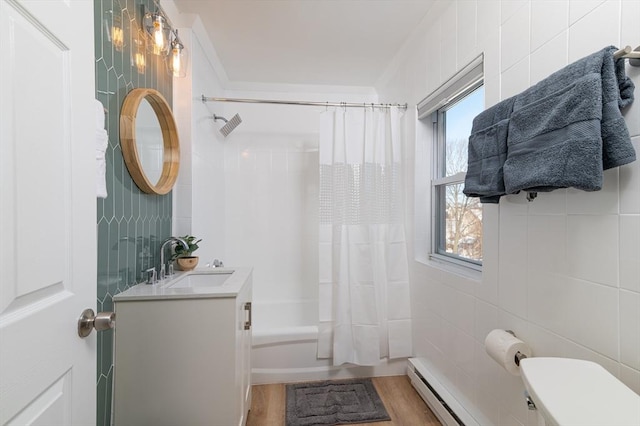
(183,356)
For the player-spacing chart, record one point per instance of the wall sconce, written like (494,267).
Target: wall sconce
(159,30)
(177,59)
(164,41)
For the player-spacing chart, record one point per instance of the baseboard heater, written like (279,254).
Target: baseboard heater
(439,400)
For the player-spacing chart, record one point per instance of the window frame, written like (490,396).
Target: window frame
(433,110)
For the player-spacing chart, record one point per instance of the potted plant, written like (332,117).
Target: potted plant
(184,257)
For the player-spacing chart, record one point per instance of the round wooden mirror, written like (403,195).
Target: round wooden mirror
(149,141)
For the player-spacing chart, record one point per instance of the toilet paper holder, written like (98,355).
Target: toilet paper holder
(519,355)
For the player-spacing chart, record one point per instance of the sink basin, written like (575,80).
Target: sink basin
(201,280)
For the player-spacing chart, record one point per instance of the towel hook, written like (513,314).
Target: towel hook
(627,53)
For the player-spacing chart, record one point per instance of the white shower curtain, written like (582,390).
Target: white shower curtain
(364,285)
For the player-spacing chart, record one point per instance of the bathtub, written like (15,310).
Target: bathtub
(285,343)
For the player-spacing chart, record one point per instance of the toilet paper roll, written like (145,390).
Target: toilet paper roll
(503,347)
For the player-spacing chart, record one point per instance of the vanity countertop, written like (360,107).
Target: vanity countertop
(164,290)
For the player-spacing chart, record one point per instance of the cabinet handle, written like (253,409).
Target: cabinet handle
(247,324)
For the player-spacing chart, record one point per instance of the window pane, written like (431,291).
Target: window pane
(463,217)
(458,122)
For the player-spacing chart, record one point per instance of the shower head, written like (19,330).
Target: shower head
(229,124)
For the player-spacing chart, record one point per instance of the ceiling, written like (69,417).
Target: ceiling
(314,42)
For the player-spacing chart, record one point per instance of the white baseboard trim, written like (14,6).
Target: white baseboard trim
(434,394)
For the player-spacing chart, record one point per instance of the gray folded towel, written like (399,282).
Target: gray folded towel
(562,132)
(555,142)
(487,153)
(568,128)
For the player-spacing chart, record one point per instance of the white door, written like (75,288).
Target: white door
(47,212)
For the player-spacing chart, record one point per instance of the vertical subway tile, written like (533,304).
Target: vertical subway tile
(630,183)
(630,31)
(486,319)
(550,203)
(543,342)
(512,280)
(515,38)
(516,78)
(103,259)
(106,351)
(448,44)
(630,329)
(583,40)
(101,402)
(108,398)
(591,315)
(546,243)
(602,202)
(112,249)
(548,19)
(467,36)
(550,57)
(487,290)
(511,7)
(592,248)
(580,8)
(630,252)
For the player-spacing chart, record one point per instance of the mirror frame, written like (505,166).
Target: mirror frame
(170,140)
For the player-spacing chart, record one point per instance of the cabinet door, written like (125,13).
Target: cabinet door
(244,353)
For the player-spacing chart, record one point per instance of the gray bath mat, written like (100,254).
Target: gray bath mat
(334,403)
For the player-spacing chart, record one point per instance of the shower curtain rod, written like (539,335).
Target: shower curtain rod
(305,103)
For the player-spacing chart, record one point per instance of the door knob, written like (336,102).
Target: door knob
(89,320)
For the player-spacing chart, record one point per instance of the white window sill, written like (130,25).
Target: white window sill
(446,264)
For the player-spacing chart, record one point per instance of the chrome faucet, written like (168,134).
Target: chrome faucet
(169,240)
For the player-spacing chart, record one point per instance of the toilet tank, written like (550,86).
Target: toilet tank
(578,392)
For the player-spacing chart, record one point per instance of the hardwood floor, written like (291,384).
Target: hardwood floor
(404,405)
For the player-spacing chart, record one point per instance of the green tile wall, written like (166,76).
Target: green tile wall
(131,224)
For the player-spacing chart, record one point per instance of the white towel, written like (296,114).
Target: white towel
(102,140)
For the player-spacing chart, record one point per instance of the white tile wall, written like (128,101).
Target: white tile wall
(548,19)
(590,315)
(545,251)
(630,252)
(595,30)
(554,202)
(486,319)
(271,208)
(467,36)
(630,329)
(448,41)
(512,279)
(632,113)
(592,248)
(487,289)
(515,37)
(511,7)
(630,182)
(579,8)
(600,202)
(549,57)
(563,272)
(515,79)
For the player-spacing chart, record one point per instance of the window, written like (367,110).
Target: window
(456,231)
